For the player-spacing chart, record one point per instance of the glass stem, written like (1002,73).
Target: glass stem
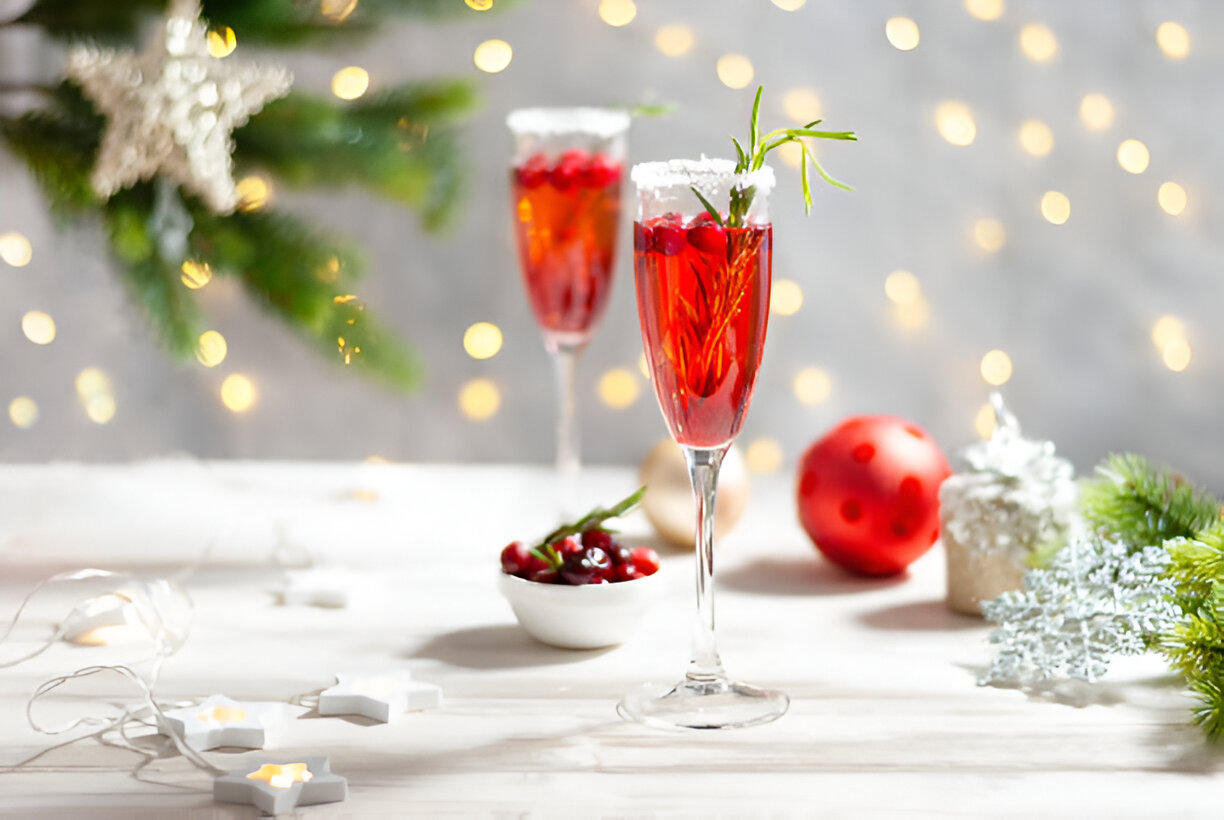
(565,363)
(703,466)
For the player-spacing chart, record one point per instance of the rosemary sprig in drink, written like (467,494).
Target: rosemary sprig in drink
(752,158)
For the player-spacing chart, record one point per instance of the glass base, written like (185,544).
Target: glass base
(703,704)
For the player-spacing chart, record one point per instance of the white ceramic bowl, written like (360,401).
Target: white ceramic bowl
(580,617)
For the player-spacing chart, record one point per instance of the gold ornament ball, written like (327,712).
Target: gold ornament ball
(669,504)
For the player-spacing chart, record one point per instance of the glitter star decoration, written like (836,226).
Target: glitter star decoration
(172,108)
(379,697)
(275,787)
(219,722)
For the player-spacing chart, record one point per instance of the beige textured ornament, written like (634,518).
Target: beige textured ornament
(669,502)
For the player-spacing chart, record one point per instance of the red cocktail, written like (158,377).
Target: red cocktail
(566,216)
(565,184)
(703,301)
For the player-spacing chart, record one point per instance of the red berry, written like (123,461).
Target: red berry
(600,171)
(620,554)
(545,576)
(668,240)
(533,173)
(569,168)
(597,538)
(704,218)
(567,546)
(645,560)
(625,572)
(515,558)
(708,239)
(585,567)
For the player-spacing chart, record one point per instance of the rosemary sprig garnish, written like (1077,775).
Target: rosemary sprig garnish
(752,158)
(594,520)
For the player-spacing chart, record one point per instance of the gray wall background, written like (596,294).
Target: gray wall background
(1073,305)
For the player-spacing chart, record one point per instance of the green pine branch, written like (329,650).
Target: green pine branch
(400,144)
(1144,505)
(267,22)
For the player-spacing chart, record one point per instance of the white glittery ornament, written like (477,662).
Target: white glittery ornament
(1016,496)
(172,108)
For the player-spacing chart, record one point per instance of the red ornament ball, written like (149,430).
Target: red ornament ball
(869,493)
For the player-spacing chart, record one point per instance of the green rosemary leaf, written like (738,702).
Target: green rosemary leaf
(710,209)
(820,169)
(753,126)
(803,180)
(742,164)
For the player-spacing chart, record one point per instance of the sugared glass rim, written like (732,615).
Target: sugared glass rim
(598,122)
(668,173)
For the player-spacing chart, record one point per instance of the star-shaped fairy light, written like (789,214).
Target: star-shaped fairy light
(171,109)
(278,786)
(379,697)
(220,722)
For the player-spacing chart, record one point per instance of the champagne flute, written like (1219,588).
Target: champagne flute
(566,193)
(703,301)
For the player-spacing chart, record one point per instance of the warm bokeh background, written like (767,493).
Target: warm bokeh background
(887,300)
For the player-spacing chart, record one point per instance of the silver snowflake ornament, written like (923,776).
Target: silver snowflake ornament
(172,108)
(1096,599)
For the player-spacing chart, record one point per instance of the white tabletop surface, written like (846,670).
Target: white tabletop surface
(885,719)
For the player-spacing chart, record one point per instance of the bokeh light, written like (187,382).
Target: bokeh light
(764,455)
(23,412)
(734,70)
(1176,355)
(93,388)
(1055,207)
(913,315)
(1038,43)
(482,340)
(618,388)
(222,42)
(211,348)
(617,12)
(1172,198)
(1096,112)
(1166,329)
(238,393)
(1133,156)
(1173,40)
(674,40)
(38,327)
(791,154)
(789,5)
(955,123)
(902,33)
(15,249)
(479,399)
(350,83)
(985,9)
(996,368)
(802,105)
(812,386)
(1036,138)
(254,193)
(984,422)
(989,234)
(785,297)
(902,287)
(493,56)
(195,275)
(337,11)
(479,5)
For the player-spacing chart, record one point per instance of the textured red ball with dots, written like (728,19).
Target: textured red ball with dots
(869,493)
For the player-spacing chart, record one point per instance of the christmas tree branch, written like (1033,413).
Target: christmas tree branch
(1143,505)
(398,144)
(305,279)
(270,22)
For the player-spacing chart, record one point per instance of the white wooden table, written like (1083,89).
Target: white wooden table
(885,719)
